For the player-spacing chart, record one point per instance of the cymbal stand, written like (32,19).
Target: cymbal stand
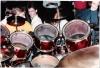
(16,24)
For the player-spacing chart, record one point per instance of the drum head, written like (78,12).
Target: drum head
(22,38)
(46,32)
(76,29)
(44,61)
(4,31)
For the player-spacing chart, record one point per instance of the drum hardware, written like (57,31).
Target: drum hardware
(29,54)
(61,45)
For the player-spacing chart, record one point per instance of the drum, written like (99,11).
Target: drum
(46,34)
(4,33)
(44,61)
(21,42)
(77,34)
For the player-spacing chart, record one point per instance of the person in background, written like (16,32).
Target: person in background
(8,13)
(61,21)
(87,11)
(35,19)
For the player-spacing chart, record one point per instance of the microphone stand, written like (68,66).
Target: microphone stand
(61,48)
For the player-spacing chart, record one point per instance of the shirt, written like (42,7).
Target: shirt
(25,27)
(35,22)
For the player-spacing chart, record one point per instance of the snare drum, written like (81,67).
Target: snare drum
(77,34)
(44,61)
(21,42)
(4,33)
(46,34)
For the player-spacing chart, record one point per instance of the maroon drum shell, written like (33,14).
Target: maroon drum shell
(78,45)
(46,45)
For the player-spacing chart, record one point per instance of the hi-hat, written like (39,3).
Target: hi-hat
(15,21)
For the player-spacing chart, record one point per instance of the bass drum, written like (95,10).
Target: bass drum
(44,61)
(46,34)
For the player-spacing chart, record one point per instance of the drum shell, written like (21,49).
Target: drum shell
(73,46)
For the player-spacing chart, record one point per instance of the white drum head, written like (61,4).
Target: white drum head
(22,38)
(46,32)
(45,61)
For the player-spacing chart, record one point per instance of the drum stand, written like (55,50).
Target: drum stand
(60,39)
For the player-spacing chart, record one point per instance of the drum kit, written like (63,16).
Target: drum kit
(17,46)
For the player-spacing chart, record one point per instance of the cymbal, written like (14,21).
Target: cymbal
(83,58)
(58,19)
(19,21)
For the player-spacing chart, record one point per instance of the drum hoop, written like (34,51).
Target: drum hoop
(87,34)
(22,33)
(5,28)
(45,25)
